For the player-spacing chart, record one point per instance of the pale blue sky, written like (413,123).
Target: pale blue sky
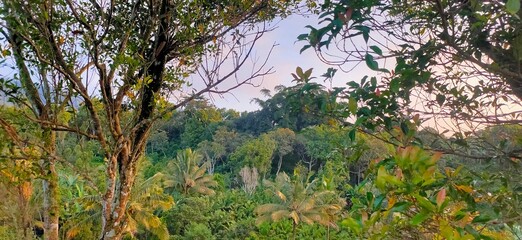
(285,58)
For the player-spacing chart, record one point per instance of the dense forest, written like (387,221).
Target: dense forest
(107,130)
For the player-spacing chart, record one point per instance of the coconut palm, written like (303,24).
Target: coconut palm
(146,197)
(298,199)
(188,176)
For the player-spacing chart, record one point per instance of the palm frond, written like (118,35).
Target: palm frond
(295,216)
(267,208)
(282,214)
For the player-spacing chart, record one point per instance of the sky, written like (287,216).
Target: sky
(284,59)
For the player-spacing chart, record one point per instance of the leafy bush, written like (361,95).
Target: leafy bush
(408,197)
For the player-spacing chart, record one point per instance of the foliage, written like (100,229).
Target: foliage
(187,175)
(325,143)
(255,153)
(228,214)
(147,197)
(198,231)
(410,198)
(299,200)
(297,107)
(285,139)
(450,60)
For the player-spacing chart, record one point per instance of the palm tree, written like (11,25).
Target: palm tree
(188,176)
(298,200)
(146,197)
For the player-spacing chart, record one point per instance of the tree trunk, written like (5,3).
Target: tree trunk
(116,223)
(279,164)
(51,205)
(294,226)
(328,232)
(118,194)
(24,195)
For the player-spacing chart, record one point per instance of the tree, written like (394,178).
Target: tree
(146,198)
(254,123)
(188,176)
(454,67)
(213,152)
(296,107)
(34,144)
(284,139)
(256,153)
(325,142)
(299,200)
(136,53)
(17,191)
(452,55)
(452,60)
(200,122)
(158,142)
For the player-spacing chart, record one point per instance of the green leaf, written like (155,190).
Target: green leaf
(394,85)
(329,73)
(353,84)
(378,202)
(404,127)
(304,48)
(302,37)
(308,73)
(352,224)
(440,99)
(376,50)
(420,217)
(424,203)
(472,231)
(299,72)
(351,135)
(513,6)
(364,30)
(400,207)
(352,105)
(482,219)
(370,62)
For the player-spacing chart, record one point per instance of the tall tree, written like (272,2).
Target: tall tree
(284,139)
(298,106)
(147,198)
(325,142)
(256,153)
(134,54)
(44,105)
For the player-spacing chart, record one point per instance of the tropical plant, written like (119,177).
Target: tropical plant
(146,198)
(249,179)
(408,197)
(300,200)
(213,152)
(284,139)
(256,153)
(455,60)
(188,175)
(296,107)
